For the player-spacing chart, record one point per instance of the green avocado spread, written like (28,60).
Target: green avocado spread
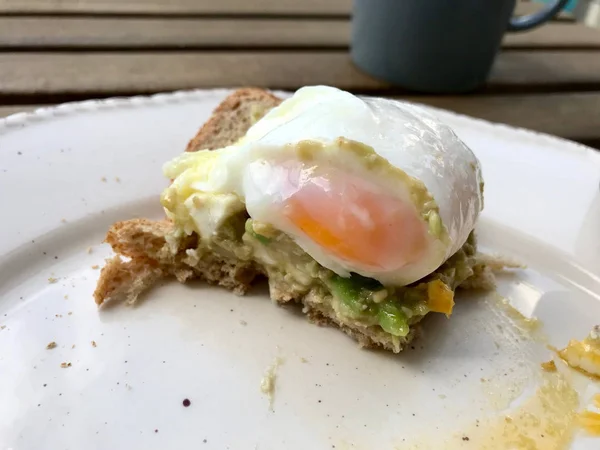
(356,298)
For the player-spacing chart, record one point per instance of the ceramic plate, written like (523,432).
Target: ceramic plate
(118,378)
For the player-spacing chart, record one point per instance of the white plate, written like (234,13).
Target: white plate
(59,191)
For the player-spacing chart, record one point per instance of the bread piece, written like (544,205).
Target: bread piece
(144,241)
(146,253)
(153,258)
(232,118)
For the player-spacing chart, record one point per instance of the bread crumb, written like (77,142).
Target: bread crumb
(303,359)
(117,179)
(2,327)
(63,220)
(267,383)
(64,365)
(51,345)
(103,179)
(93,343)
(95,267)
(90,250)
(52,280)
(70,313)
(66,297)
(73,346)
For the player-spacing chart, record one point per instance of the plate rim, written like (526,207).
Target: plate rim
(18,121)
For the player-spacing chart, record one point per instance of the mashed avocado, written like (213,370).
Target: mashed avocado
(357,298)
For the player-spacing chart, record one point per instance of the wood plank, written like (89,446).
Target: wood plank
(107,73)
(557,35)
(544,70)
(528,7)
(107,32)
(6,111)
(569,115)
(573,116)
(310,7)
(120,32)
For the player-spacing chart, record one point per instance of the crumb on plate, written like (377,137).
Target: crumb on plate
(549,366)
(267,383)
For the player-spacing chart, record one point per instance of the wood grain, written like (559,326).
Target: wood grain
(108,32)
(557,35)
(546,70)
(569,115)
(312,7)
(106,73)
(120,32)
(529,7)
(337,7)
(6,111)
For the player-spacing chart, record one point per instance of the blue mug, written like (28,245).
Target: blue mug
(436,46)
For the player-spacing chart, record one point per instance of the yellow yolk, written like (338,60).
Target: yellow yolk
(584,355)
(356,223)
(440,297)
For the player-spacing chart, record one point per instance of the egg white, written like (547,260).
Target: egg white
(411,150)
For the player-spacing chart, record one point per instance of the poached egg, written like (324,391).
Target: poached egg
(365,185)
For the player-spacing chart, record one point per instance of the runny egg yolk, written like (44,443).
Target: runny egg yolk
(356,221)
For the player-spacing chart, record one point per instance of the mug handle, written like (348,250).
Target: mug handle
(522,23)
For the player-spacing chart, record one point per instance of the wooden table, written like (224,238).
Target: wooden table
(61,50)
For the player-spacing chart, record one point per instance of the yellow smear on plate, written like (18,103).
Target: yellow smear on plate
(544,421)
(584,356)
(530,324)
(548,366)
(590,420)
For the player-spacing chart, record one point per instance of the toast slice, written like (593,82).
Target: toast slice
(147,251)
(144,242)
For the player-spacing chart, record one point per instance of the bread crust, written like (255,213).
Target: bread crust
(232,118)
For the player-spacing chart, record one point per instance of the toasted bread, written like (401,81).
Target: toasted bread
(232,118)
(151,254)
(144,241)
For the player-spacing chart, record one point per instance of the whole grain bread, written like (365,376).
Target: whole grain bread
(145,254)
(232,118)
(143,241)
